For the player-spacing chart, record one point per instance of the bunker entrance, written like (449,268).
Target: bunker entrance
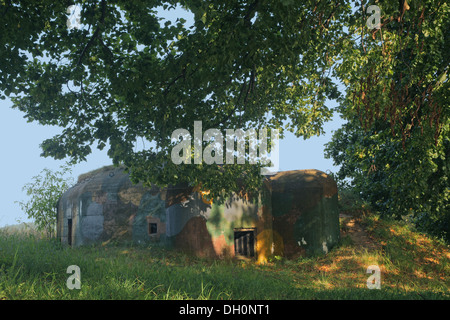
(244,242)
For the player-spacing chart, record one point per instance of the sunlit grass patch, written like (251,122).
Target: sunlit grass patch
(413,261)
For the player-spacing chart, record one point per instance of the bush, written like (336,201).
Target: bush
(44,193)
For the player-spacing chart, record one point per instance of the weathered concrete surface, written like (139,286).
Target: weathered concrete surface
(102,208)
(305,210)
(295,214)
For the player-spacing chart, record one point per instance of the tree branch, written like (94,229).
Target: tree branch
(96,32)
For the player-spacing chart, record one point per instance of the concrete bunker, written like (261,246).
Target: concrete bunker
(298,216)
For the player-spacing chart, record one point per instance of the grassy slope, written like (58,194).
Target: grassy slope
(413,267)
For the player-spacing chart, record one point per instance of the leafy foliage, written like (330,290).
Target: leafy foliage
(395,147)
(128,74)
(397,181)
(398,73)
(44,192)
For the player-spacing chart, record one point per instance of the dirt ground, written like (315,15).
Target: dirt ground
(357,233)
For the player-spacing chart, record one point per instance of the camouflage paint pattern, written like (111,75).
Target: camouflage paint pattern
(295,214)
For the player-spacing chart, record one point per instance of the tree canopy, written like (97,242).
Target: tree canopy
(128,74)
(395,147)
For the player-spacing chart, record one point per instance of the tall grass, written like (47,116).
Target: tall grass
(33,268)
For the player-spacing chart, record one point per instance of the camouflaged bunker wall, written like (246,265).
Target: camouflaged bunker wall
(295,214)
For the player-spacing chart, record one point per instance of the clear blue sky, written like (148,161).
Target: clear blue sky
(20,158)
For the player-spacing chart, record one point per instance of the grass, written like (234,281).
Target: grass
(413,266)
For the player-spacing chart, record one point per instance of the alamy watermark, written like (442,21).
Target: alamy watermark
(74,281)
(74,20)
(214,152)
(374,21)
(374,281)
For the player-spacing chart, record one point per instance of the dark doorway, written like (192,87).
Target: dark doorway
(69,231)
(152,228)
(244,242)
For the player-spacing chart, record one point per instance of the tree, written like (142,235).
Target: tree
(23,22)
(398,180)
(398,72)
(44,192)
(127,75)
(395,146)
